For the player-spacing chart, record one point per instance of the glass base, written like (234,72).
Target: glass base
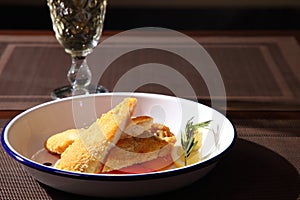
(67,91)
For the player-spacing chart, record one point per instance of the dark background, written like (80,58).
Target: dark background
(36,17)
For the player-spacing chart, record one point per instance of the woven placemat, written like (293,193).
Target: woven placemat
(264,164)
(259,72)
(282,136)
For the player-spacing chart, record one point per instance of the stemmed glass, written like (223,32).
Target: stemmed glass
(78,26)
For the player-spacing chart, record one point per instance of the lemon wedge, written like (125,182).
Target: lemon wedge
(178,157)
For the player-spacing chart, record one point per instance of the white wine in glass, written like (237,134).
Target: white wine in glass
(78,26)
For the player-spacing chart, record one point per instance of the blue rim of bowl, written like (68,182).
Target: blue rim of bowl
(115,177)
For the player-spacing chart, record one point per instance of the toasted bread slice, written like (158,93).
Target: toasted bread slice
(90,149)
(136,150)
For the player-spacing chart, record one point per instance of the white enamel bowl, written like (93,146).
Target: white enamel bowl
(26,134)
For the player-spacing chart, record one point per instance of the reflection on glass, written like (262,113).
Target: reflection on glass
(78,26)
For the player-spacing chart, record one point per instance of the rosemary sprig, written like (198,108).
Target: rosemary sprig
(188,141)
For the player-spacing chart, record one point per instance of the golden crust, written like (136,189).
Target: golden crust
(113,121)
(137,126)
(77,158)
(89,150)
(112,141)
(59,142)
(135,150)
(163,132)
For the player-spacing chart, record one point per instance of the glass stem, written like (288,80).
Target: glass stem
(79,75)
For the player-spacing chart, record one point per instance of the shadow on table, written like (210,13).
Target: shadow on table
(250,171)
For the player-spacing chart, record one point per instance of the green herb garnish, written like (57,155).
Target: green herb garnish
(188,141)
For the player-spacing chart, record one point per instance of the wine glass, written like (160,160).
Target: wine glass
(78,26)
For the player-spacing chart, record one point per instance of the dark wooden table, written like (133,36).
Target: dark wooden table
(261,73)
